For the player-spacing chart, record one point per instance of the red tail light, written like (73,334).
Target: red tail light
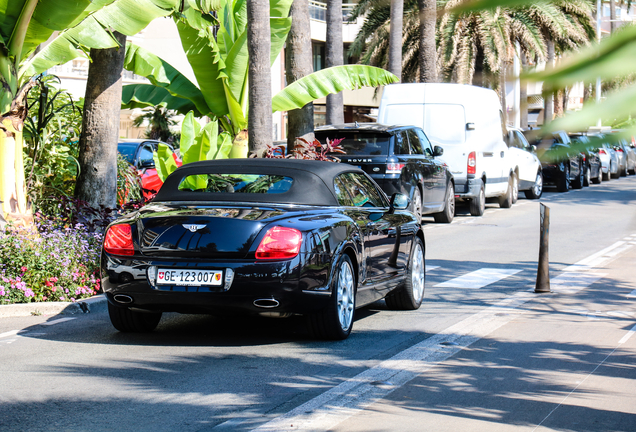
(471,168)
(602,151)
(620,150)
(279,243)
(394,168)
(118,240)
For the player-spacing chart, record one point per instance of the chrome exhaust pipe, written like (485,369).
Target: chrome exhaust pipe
(123,298)
(266,303)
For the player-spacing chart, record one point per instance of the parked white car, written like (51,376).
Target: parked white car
(527,166)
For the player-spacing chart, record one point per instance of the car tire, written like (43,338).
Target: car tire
(416,204)
(127,321)
(515,189)
(624,172)
(599,179)
(580,179)
(614,175)
(564,182)
(608,176)
(505,201)
(478,204)
(447,215)
(588,176)
(537,189)
(335,321)
(410,293)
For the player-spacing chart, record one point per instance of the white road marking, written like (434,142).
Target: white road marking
(600,258)
(9,333)
(57,321)
(429,268)
(479,278)
(353,395)
(632,294)
(574,281)
(628,335)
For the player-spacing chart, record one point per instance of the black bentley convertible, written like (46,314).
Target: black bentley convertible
(269,236)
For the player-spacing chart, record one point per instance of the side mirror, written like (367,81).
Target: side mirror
(148,163)
(398,202)
(438,151)
(533,148)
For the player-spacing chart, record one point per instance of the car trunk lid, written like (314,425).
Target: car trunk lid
(210,232)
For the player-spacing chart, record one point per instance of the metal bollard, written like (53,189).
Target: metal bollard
(543,272)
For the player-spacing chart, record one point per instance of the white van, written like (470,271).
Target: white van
(466,121)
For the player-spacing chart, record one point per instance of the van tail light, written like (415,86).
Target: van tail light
(471,167)
(118,240)
(394,168)
(280,243)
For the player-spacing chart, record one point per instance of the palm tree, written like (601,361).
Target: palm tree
(334,57)
(260,125)
(159,120)
(395,37)
(428,51)
(298,64)
(96,183)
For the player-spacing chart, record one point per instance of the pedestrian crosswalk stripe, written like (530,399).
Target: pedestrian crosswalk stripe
(479,278)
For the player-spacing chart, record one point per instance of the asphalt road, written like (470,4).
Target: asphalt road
(484,353)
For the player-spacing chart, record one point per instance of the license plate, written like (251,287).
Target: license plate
(189,277)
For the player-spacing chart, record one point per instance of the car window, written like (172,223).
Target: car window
(414,141)
(145,156)
(363,192)
(358,143)
(427,148)
(127,151)
(236,183)
(518,141)
(401,143)
(341,193)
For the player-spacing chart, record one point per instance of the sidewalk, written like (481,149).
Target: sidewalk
(94,304)
(566,362)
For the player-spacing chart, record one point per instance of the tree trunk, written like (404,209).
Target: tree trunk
(334,57)
(428,51)
(502,91)
(523,95)
(14,205)
(548,95)
(259,124)
(395,38)
(97,181)
(613,22)
(298,63)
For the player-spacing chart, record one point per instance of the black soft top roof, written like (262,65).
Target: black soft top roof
(312,181)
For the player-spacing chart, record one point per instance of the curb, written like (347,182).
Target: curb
(94,304)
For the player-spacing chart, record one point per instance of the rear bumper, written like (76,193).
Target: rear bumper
(284,286)
(469,189)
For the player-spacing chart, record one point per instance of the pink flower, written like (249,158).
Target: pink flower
(23,269)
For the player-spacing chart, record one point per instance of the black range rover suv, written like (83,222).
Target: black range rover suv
(400,159)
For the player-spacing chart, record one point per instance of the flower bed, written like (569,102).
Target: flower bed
(53,263)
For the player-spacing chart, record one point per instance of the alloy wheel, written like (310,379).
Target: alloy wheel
(345,296)
(417,273)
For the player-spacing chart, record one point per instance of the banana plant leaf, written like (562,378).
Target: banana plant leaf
(617,105)
(128,17)
(147,95)
(161,74)
(164,162)
(327,81)
(615,56)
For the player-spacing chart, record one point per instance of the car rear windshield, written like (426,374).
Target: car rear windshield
(236,183)
(358,143)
